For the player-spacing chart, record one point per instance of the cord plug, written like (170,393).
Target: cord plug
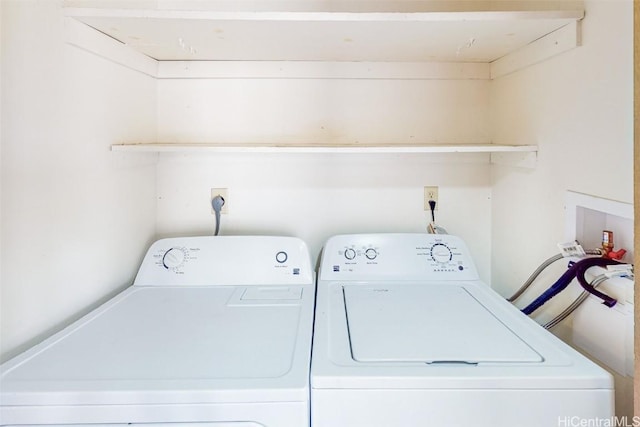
(217,203)
(432,205)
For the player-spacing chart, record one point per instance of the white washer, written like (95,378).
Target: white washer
(215,331)
(407,335)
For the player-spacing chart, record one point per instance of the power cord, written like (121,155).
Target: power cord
(432,228)
(217,203)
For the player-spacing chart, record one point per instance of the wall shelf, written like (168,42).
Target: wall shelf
(292,148)
(202,35)
(523,156)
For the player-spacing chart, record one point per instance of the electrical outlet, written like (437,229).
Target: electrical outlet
(430,193)
(224,192)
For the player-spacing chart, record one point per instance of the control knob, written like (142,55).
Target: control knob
(441,253)
(371,253)
(349,254)
(173,258)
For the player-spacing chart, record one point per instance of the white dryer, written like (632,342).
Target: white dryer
(407,335)
(215,331)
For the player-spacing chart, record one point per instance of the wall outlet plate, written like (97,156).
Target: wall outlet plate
(430,193)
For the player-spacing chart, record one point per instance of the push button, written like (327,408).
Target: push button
(281,257)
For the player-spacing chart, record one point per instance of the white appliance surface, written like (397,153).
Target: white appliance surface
(214,330)
(406,334)
(415,324)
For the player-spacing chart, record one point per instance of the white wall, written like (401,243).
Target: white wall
(578,108)
(323,111)
(76,218)
(316,196)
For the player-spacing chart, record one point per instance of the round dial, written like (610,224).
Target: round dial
(173,258)
(441,253)
(349,254)
(371,253)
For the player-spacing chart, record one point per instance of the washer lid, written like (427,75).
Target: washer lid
(428,323)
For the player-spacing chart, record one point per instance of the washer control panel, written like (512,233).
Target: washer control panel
(226,260)
(396,256)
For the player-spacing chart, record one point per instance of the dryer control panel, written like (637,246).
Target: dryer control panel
(226,260)
(396,256)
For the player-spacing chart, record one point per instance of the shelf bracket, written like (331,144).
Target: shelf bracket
(90,40)
(555,43)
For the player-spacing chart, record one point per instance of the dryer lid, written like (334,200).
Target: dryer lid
(428,323)
(172,345)
(172,334)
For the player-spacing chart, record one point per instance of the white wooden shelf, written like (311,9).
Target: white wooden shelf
(187,35)
(289,148)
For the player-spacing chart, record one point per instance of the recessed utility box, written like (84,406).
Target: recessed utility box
(604,333)
(587,216)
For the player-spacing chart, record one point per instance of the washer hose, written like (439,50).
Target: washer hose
(553,290)
(576,270)
(534,276)
(540,269)
(577,302)
(581,269)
